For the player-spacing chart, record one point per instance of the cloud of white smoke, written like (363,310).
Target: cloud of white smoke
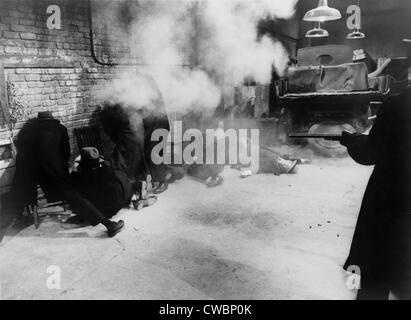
(231,47)
(217,38)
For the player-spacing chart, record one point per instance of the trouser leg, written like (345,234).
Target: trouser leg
(85,208)
(151,123)
(115,206)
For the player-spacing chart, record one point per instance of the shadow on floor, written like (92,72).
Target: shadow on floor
(12,222)
(51,226)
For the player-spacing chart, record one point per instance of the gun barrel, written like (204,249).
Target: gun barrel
(329,136)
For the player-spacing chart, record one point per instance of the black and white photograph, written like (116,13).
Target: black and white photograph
(205,154)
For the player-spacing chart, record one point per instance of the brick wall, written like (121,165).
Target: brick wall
(66,91)
(55,69)
(50,69)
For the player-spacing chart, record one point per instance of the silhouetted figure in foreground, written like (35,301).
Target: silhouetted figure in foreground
(381,246)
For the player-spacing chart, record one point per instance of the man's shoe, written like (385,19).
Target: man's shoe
(214,181)
(114,228)
(163,186)
(149,184)
(137,204)
(149,201)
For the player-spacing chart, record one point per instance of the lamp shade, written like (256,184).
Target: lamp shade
(317,32)
(322,13)
(356,34)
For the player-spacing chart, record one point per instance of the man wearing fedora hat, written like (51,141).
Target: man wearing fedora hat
(98,191)
(43,151)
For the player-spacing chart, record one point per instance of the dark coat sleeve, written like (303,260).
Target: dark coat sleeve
(364,148)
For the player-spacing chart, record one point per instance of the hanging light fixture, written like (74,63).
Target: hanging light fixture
(317,32)
(356,15)
(322,13)
(356,34)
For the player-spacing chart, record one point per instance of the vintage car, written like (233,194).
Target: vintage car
(326,92)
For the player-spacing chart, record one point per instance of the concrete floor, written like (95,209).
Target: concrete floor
(263,237)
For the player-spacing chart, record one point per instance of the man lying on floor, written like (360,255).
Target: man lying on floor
(97,191)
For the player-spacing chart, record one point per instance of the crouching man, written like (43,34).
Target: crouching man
(98,191)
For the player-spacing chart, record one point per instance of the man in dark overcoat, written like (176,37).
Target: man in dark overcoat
(130,127)
(128,152)
(43,151)
(155,117)
(381,246)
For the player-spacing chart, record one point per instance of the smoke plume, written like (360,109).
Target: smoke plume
(197,51)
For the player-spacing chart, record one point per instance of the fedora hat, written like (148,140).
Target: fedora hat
(90,156)
(45,115)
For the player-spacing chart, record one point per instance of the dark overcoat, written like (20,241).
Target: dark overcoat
(381,245)
(128,152)
(105,188)
(154,117)
(43,151)
(130,128)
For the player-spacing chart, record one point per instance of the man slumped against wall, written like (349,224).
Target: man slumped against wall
(381,246)
(43,151)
